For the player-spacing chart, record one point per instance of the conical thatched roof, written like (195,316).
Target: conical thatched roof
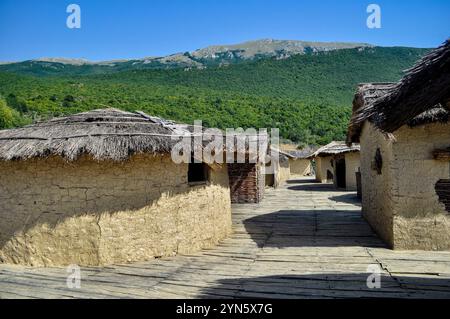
(421,96)
(104,134)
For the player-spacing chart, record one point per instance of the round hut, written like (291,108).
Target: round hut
(100,187)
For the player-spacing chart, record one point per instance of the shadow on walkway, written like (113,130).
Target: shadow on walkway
(316,187)
(350,198)
(302,181)
(311,228)
(342,285)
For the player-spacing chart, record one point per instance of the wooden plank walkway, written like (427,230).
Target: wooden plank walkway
(305,240)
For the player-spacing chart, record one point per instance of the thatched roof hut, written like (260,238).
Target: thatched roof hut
(101,187)
(404,133)
(420,97)
(335,148)
(300,163)
(337,162)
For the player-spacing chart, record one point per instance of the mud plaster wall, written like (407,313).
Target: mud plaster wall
(96,213)
(377,191)
(401,204)
(300,166)
(420,220)
(352,164)
(323,164)
(284,171)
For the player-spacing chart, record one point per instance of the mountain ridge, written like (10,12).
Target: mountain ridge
(251,48)
(210,56)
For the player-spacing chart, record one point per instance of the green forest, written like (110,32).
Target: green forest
(308,97)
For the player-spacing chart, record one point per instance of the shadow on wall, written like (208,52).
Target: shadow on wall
(333,285)
(102,207)
(71,232)
(311,228)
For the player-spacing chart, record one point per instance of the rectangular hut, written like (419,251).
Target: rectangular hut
(338,163)
(404,132)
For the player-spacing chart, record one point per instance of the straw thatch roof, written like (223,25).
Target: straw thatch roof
(280,153)
(334,148)
(420,97)
(304,153)
(110,134)
(104,134)
(436,114)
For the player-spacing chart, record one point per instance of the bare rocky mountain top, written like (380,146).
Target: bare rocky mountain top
(273,47)
(216,54)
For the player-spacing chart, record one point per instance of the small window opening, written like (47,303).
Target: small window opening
(377,164)
(198,173)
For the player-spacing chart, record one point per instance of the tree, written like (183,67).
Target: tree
(6,115)
(17,103)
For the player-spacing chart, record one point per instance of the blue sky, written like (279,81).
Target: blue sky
(113,29)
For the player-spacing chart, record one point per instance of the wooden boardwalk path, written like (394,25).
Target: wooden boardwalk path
(305,240)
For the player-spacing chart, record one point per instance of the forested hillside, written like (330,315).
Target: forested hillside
(308,97)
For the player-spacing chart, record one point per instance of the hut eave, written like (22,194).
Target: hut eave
(420,97)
